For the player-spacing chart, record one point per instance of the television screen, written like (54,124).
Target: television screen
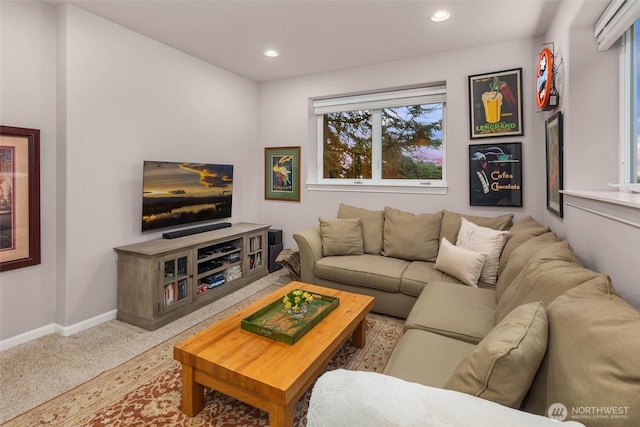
(183,193)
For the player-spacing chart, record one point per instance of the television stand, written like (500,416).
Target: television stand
(161,280)
(195,230)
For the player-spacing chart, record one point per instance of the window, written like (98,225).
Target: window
(389,139)
(635,107)
(630,99)
(620,20)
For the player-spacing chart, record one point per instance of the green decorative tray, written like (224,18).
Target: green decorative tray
(274,322)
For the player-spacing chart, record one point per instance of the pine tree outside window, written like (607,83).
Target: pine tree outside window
(391,139)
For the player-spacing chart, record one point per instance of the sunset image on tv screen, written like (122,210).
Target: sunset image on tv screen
(182,193)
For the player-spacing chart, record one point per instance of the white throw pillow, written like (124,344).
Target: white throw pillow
(485,240)
(463,264)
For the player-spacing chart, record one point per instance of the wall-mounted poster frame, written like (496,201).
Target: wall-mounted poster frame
(495,174)
(19,197)
(495,104)
(553,136)
(282,173)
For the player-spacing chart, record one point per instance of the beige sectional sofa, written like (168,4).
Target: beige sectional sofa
(410,244)
(551,337)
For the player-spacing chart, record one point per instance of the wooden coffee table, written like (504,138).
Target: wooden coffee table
(264,373)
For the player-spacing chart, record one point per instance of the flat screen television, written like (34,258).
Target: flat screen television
(175,193)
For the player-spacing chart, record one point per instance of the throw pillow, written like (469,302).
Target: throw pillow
(463,264)
(485,240)
(372,226)
(592,357)
(411,237)
(341,236)
(451,222)
(503,365)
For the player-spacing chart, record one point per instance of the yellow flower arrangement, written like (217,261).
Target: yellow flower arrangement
(295,299)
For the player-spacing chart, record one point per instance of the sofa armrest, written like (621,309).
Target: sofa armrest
(357,398)
(310,246)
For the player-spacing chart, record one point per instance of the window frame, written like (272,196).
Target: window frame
(628,107)
(376,101)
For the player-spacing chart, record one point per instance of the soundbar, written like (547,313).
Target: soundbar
(195,230)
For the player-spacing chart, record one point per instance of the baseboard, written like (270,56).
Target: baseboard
(65,331)
(27,336)
(54,328)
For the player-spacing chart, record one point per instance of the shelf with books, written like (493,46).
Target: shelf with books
(256,254)
(175,292)
(176,270)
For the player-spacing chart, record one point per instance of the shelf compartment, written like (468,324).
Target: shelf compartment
(175,291)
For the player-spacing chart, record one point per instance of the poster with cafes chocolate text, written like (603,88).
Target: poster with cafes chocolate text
(495,174)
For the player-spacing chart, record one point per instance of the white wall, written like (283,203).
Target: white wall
(286,119)
(130,98)
(122,98)
(589,102)
(28,99)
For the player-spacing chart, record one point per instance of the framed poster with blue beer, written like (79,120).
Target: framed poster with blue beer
(282,173)
(495,104)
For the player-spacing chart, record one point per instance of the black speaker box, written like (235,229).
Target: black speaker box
(195,230)
(275,237)
(274,251)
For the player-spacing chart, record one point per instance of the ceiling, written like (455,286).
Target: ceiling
(315,36)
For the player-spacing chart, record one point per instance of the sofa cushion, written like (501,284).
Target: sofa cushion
(520,232)
(446,309)
(411,237)
(373,271)
(462,263)
(419,273)
(502,367)
(426,358)
(485,240)
(519,258)
(552,271)
(592,358)
(372,226)
(451,222)
(341,236)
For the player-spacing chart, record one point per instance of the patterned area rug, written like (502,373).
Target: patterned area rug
(145,391)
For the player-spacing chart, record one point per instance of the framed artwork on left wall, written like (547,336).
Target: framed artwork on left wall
(282,173)
(19,197)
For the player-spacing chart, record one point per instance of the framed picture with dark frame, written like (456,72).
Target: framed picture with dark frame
(495,174)
(19,197)
(282,173)
(495,104)
(553,137)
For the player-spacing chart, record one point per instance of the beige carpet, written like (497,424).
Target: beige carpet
(39,370)
(145,391)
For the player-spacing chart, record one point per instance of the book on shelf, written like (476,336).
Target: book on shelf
(182,290)
(169,293)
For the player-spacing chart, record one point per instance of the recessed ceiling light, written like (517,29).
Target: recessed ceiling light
(271,53)
(440,15)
